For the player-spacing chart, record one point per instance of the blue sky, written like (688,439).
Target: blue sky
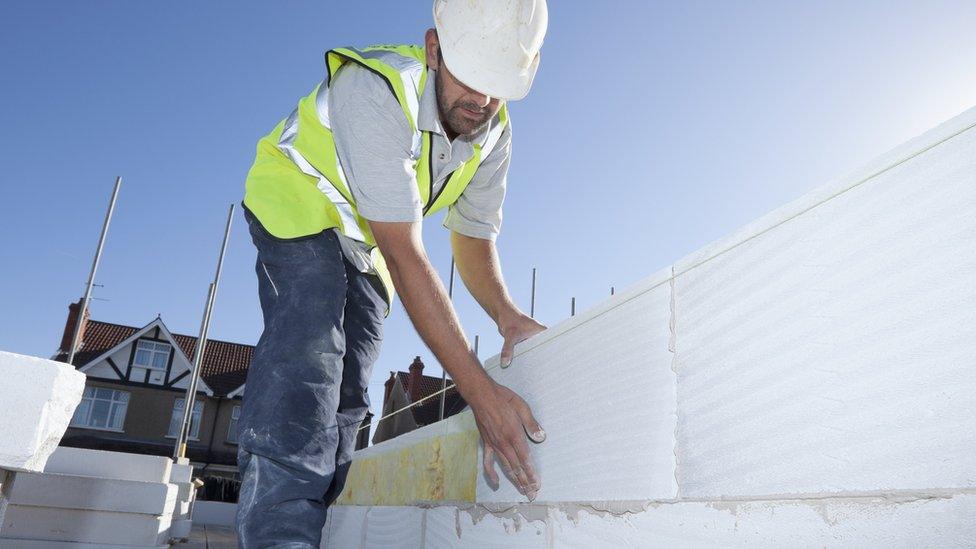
(652,129)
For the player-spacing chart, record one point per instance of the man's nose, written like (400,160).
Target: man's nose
(482,100)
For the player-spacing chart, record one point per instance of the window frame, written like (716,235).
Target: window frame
(199,423)
(90,394)
(152,354)
(235,417)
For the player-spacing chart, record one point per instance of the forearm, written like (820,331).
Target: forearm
(477,263)
(426,302)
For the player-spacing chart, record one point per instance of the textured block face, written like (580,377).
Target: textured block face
(394,528)
(39,397)
(451,527)
(103,464)
(181,471)
(836,351)
(214,512)
(864,522)
(345,527)
(600,376)
(48,544)
(97,494)
(46,523)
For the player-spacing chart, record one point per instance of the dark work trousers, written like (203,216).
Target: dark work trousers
(305,395)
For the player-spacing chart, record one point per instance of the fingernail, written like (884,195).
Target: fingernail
(531,495)
(539,435)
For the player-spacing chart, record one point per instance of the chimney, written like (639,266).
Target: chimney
(416,371)
(69,327)
(388,388)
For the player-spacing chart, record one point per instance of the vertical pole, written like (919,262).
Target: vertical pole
(532,303)
(611,290)
(476,345)
(572,307)
(191,390)
(91,275)
(450,295)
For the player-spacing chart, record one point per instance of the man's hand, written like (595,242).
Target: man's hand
(504,420)
(515,330)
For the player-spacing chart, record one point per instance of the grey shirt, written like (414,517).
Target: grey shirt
(374,142)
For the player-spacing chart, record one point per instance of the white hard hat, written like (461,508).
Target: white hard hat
(492,46)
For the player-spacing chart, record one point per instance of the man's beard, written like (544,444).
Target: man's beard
(455,120)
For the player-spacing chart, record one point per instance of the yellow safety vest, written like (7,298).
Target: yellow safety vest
(296,187)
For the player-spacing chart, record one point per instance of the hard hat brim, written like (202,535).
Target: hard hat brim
(510,85)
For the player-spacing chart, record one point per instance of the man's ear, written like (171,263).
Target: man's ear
(432,49)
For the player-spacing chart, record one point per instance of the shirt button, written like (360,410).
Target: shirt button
(442,156)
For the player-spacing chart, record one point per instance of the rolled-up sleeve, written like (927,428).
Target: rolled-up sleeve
(374,143)
(478,211)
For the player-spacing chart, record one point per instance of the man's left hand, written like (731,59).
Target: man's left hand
(515,330)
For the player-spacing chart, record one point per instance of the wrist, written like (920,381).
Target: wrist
(509,317)
(477,391)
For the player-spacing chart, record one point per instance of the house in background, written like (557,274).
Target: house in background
(135,396)
(405,388)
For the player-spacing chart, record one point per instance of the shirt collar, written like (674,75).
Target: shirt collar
(428,118)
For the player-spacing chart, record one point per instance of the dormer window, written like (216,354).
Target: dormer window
(149,362)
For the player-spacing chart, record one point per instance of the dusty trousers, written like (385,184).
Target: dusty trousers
(306,389)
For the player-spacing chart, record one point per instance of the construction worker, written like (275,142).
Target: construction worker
(334,201)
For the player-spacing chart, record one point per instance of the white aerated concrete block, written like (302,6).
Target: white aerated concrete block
(114,465)
(184,499)
(345,527)
(944,522)
(101,527)
(47,544)
(602,387)
(180,529)
(39,397)
(394,528)
(217,513)
(835,351)
(181,471)
(97,494)
(451,527)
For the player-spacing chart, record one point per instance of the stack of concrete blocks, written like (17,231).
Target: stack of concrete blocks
(71,497)
(91,498)
(181,475)
(809,381)
(38,398)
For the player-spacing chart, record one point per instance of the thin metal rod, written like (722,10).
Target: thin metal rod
(572,307)
(191,390)
(91,275)
(476,345)
(532,303)
(450,296)
(611,290)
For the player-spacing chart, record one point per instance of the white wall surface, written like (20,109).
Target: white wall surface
(808,381)
(603,374)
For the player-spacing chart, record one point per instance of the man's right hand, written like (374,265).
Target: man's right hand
(505,420)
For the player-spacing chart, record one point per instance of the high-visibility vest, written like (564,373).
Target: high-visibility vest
(296,187)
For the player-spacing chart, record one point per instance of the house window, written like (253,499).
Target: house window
(101,408)
(177,418)
(149,362)
(150,354)
(232,428)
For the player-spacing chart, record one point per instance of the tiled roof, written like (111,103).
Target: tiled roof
(224,364)
(429,411)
